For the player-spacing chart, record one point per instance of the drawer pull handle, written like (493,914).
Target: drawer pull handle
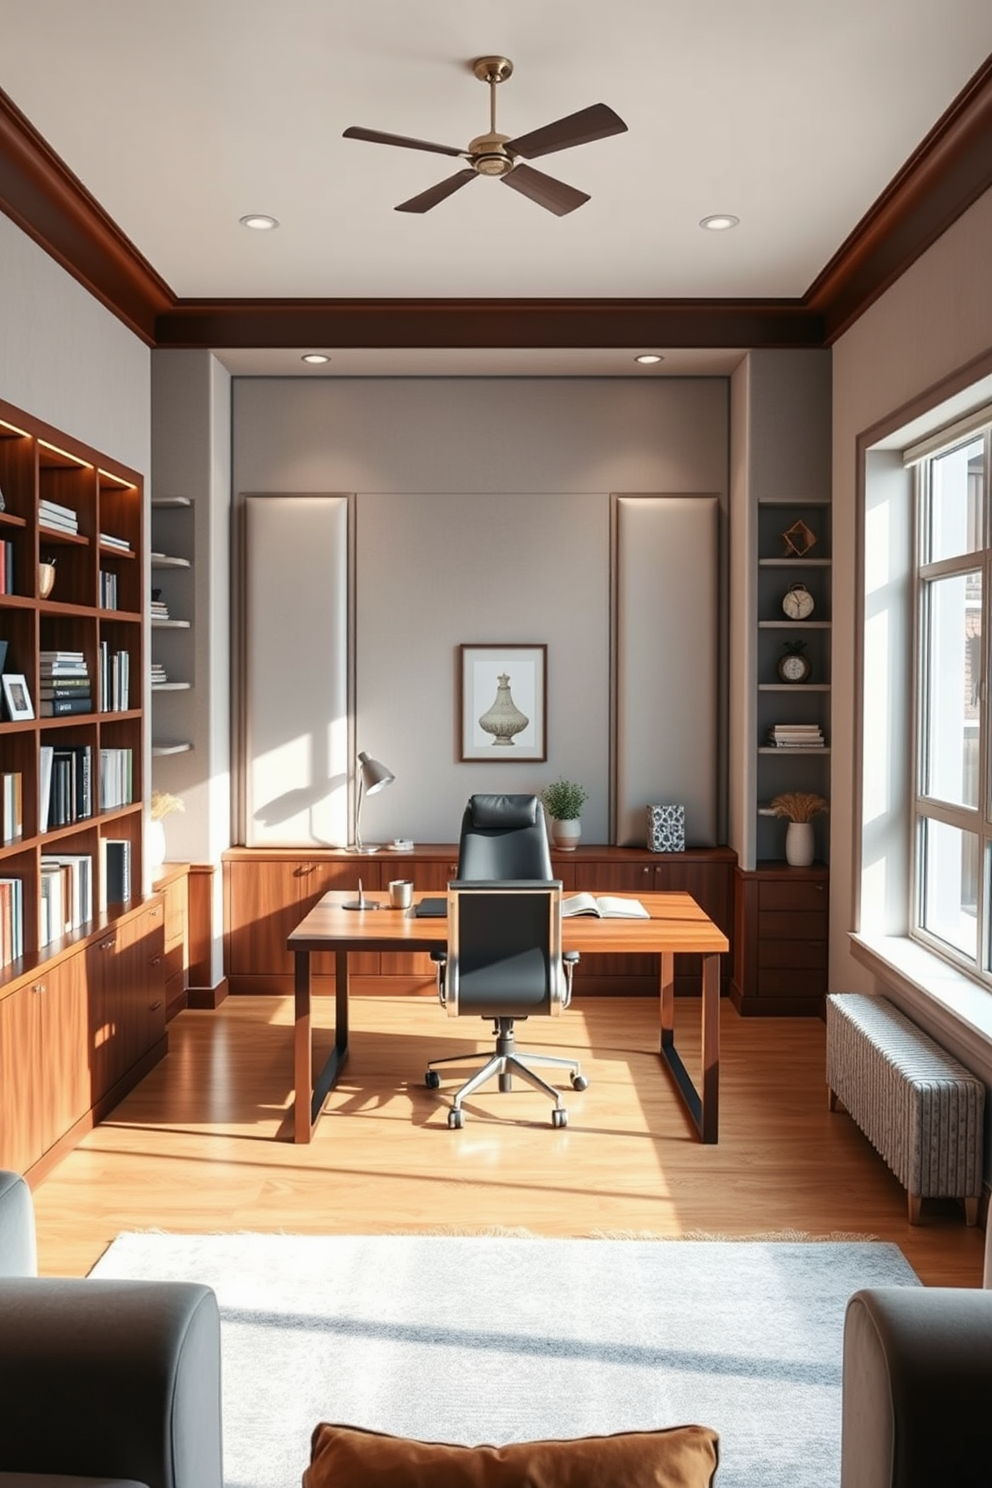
(39,987)
(153,1007)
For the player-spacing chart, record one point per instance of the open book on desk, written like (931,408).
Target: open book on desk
(605,907)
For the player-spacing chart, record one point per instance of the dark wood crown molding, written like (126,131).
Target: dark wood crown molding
(944,176)
(40,193)
(496,323)
(947,173)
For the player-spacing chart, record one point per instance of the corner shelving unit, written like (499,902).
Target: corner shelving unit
(172,644)
(778,702)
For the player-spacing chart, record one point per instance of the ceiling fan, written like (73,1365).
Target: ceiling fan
(498,155)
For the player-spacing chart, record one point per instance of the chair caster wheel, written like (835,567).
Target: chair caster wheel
(559,1116)
(455,1120)
(432,1080)
(579,1082)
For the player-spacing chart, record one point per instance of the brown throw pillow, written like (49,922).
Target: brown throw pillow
(348,1457)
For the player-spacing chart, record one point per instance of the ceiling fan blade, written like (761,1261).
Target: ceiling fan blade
(554,195)
(593,123)
(376,137)
(435,194)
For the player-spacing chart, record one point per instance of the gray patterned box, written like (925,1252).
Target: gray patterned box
(666,828)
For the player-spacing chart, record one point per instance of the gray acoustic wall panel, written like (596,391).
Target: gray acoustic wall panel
(666,663)
(295,645)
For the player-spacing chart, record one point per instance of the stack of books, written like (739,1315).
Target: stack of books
(58,518)
(796,736)
(65,684)
(159,675)
(116,779)
(66,785)
(115,871)
(114,680)
(120,543)
(66,894)
(159,609)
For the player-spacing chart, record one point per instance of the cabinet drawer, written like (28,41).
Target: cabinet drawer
(776,895)
(796,953)
(801,924)
(790,982)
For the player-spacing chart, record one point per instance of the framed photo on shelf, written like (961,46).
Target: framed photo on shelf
(16,696)
(502,702)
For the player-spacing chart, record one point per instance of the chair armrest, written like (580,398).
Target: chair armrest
(111,1379)
(18,1252)
(916,1387)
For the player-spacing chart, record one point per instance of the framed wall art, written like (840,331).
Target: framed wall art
(502,706)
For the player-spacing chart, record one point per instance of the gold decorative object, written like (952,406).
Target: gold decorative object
(798,540)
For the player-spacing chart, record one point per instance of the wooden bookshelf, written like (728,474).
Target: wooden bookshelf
(67,504)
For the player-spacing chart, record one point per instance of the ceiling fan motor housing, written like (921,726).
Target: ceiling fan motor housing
(488,155)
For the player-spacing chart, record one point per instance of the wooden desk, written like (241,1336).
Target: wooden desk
(676,924)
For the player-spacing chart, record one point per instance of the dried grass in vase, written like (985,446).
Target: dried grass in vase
(799,806)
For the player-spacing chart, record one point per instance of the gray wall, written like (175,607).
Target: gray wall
(66,359)
(482,514)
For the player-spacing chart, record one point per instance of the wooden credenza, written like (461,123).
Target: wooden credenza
(267,891)
(781,940)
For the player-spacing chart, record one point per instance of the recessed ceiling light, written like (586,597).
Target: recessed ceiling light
(648,358)
(259,221)
(315,358)
(719,222)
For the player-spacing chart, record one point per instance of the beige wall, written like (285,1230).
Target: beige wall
(936,319)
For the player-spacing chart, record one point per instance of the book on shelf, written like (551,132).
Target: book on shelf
(56,508)
(11,920)
(796,736)
(59,707)
(71,788)
(11,806)
(116,780)
(109,541)
(64,686)
(61,655)
(66,894)
(115,871)
(46,756)
(604,906)
(108,590)
(6,567)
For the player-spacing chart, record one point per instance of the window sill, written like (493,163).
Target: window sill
(955,1004)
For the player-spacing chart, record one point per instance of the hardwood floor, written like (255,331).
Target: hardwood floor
(203,1143)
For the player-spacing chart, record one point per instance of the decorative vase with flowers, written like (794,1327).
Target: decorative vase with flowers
(563,801)
(799,808)
(162,805)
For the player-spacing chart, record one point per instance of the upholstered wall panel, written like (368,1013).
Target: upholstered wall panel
(296,646)
(666,662)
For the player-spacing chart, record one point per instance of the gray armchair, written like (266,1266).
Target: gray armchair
(917,1385)
(103,1382)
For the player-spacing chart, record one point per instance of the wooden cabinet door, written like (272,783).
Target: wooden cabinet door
(44,1078)
(315,879)
(21,1120)
(140,976)
(265,897)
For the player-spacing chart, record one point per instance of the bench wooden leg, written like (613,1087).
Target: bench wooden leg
(831,1099)
(915,1201)
(970,1211)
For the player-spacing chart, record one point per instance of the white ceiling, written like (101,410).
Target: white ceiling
(181,116)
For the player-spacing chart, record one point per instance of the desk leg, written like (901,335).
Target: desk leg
(711,1048)
(702,1108)
(302,1051)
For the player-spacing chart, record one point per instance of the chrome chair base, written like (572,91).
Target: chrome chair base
(504,1064)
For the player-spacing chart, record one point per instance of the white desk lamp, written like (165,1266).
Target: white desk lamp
(372,777)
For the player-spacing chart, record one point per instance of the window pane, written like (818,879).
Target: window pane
(953,675)
(957,487)
(950,886)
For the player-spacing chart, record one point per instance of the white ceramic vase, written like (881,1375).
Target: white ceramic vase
(155,844)
(566,834)
(799,844)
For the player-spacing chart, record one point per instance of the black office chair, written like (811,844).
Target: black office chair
(504,959)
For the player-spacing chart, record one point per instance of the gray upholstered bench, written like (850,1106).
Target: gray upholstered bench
(920,1109)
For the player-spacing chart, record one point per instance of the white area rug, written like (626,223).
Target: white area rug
(479,1339)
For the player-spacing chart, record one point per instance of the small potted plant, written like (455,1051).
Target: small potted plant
(799,809)
(162,805)
(563,802)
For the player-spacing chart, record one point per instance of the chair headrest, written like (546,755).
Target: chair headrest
(503,811)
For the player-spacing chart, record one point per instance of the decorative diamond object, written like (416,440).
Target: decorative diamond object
(798,540)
